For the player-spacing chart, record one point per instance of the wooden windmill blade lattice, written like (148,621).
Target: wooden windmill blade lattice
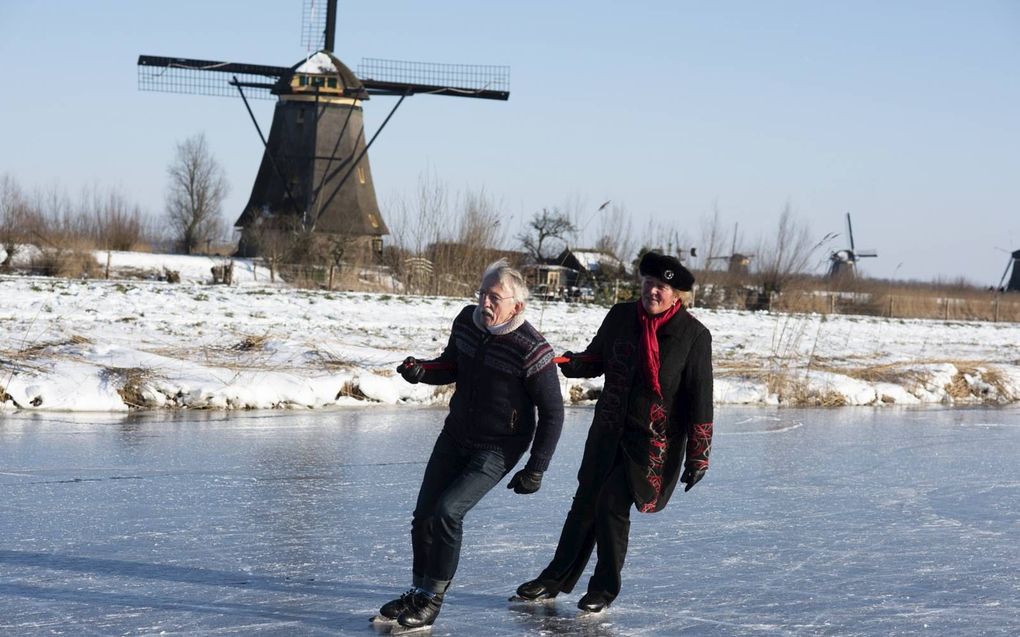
(402,77)
(206,77)
(318,21)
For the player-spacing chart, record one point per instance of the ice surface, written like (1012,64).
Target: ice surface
(810,522)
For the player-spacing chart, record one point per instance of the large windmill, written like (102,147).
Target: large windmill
(315,174)
(843,263)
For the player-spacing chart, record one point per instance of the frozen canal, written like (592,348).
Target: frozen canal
(840,522)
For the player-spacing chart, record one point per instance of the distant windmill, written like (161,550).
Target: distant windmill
(315,173)
(737,263)
(843,263)
(1014,279)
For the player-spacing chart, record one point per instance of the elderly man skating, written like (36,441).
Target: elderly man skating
(504,372)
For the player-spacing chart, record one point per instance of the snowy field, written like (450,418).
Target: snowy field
(856,521)
(73,345)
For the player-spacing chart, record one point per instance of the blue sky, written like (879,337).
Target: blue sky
(905,114)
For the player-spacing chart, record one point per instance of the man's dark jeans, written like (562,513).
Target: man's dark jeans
(456,478)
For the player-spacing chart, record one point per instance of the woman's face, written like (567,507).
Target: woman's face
(656,295)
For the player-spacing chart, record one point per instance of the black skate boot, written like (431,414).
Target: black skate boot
(392,609)
(535,591)
(594,602)
(422,610)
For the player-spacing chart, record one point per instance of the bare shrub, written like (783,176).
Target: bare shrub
(131,381)
(67,258)
(111,220)
(250,343)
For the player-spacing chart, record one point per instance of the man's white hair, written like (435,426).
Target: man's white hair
(510,278)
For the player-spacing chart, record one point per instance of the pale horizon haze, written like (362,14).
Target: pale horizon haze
(904,114)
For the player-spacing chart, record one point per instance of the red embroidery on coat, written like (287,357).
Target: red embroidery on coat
(699,445)
(658,445)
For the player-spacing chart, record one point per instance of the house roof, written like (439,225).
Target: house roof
(593,260)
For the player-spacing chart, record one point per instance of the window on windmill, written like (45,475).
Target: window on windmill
(331,83)
(303,80)
(361,174)
(317,81)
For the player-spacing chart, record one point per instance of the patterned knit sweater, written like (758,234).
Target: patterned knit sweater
(501,381)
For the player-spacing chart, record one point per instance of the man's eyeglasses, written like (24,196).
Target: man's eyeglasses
(482,295)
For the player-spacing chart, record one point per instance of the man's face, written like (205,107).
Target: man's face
(497,302)
(656,295)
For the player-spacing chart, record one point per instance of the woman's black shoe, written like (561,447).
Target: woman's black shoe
(593,602)
(535,590)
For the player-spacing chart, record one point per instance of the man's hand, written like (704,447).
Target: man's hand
(411,370)
(525,481)
(691,477)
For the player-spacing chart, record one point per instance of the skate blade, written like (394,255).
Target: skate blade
(517,599)
(407,630)
(382,619)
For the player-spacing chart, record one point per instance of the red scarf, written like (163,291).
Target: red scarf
(650,342)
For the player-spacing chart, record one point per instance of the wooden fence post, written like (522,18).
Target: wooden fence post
(995,310)
(890,305)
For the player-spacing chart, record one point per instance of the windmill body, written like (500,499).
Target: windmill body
(1014,279)
(315,176)
(317,131)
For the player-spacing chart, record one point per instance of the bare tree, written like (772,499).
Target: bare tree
(480,221)
(195,195)
(417,222)
(616,236)
(13,214)
(713,237)
(545,228)
(786,255)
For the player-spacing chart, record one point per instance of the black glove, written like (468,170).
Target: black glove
(525,481)
(691,477)
(570,367)
(411,370)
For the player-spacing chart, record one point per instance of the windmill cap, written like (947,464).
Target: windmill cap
(667,269)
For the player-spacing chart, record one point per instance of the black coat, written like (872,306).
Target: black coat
(501,382)
(685,376)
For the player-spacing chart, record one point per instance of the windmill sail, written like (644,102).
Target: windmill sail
(206,77)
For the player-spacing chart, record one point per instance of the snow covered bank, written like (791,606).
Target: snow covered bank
(114,345)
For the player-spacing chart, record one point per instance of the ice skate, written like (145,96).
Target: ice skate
(421,612)
(534,591)
(391,610)
(593,602)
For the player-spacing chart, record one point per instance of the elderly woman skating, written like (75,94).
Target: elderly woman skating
(652,426)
